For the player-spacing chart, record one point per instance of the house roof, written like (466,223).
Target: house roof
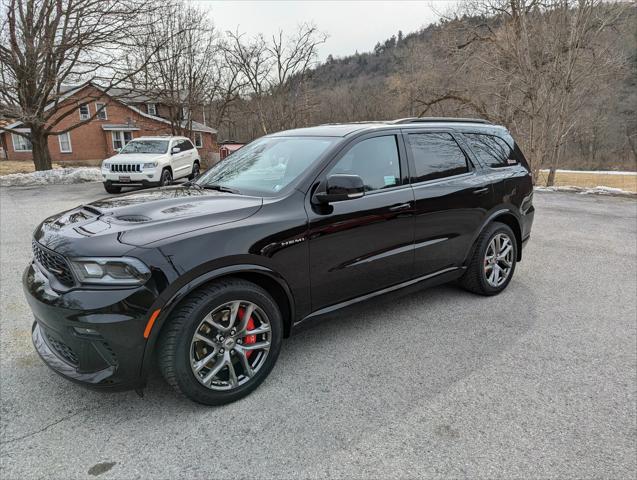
(232,146)
(68,90)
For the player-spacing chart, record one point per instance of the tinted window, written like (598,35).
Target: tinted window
(181,145)
(186,145)
(436,155)
(375,160)
(491,150)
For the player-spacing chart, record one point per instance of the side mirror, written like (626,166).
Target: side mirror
(341,187)
(175,150)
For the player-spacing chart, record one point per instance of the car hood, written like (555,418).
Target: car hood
(141,218)
(135,158)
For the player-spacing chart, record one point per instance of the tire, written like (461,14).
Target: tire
(180,353)
(111,188)
(482,275)
(195,170)
(166,178)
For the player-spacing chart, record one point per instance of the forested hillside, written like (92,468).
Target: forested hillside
(561,78)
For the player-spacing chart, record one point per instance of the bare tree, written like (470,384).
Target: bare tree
(528,64)
(273,73)
(48,44)
(185,72)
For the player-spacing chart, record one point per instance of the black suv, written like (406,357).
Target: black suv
(205,279)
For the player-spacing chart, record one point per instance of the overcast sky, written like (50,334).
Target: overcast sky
(351,25)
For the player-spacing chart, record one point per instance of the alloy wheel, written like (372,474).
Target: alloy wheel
(230,345)
(166,178)
(498,260)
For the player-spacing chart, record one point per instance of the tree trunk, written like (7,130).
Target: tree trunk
(40,149)
(551,179)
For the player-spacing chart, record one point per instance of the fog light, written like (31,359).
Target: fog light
(86,331)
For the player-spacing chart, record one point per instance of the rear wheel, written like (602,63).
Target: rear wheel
(195,171)
(493,262)
(110,188)
(221,342)
(166,178)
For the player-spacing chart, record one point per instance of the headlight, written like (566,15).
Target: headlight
(110,271)
(150,165)
(105,166)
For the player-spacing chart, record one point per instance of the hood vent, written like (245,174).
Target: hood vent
(133,218)
(93,210)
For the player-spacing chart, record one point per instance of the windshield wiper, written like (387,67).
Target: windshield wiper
(219,188)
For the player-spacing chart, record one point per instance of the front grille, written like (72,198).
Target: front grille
(126,167)
(63,350)
(54,263)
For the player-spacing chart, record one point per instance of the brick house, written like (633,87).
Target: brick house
(121,120)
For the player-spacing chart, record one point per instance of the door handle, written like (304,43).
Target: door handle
(400,207)
(480,191)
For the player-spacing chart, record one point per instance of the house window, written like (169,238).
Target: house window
(21,144)
(198,140)
(65,142)
(185,113)
(151,108)
(85,113)
(121,138)
(101,114)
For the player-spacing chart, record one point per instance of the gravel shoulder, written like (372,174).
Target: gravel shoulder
(540,381)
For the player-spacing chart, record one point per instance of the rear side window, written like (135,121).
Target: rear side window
(491,151)
(375,160)
(436,155)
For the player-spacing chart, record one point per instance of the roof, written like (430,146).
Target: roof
(232,146)
(162,137)
(119,126)
(345,129)
(68,91)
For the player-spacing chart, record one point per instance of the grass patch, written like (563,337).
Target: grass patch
(591,180)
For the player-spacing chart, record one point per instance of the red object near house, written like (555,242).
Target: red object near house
(120,120)
(228,148)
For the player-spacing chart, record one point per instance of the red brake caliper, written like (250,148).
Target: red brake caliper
(250,339)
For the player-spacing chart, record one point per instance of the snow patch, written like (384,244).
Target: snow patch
(597,172)
(599,190)
(61,176)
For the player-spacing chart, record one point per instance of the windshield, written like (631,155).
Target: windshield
(267,165)
(146,146)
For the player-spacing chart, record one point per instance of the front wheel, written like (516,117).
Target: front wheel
(221,342)
(493,262)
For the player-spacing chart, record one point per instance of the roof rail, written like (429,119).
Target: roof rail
(439,120)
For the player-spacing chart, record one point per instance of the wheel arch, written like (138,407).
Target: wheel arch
(267,279)
(513,223)
(509,218)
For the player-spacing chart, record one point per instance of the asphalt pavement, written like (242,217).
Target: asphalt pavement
(538,382)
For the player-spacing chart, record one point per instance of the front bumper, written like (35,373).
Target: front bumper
(132,178)
(93,337)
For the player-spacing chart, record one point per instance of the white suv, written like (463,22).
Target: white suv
(151,161)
